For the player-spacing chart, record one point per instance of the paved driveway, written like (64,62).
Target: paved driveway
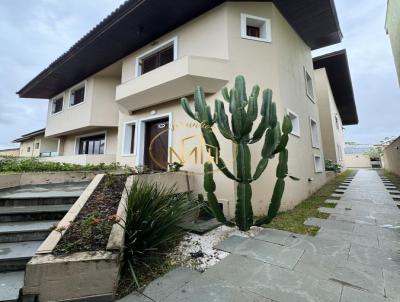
(354,257)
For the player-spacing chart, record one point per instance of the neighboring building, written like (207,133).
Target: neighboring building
(35,144)
(115,95)
(357,161)
(393,30)
(9,152)
(336,102)
(391,157)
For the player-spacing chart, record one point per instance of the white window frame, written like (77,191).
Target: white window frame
(52,103)
(141,129)
(316,168)
(126,139)
(337,122)
(173,41)
(76,87)
(266,25)
(77,138)
(313,143)
(306,76)
(290,112)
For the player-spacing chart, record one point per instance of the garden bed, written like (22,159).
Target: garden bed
(91,229)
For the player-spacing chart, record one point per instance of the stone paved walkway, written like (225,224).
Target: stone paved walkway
(354,257)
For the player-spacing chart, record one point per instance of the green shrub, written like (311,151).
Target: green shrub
(34,165)
(332,166)
(154,213)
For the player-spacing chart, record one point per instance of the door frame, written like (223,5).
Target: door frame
(142,132)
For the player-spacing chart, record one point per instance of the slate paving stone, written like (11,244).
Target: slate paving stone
(271,253)
(273,236)
(330,224)
(10,283)
(135,297)
(392,284)
(370,240)
(320,246)
(284,285)
(318,266)
(354,295)
(354,219)
(375,257)
(213,290)
(162,287)
(229,244)
(361,276)
(200,226)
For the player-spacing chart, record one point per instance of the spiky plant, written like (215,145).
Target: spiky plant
(244,112)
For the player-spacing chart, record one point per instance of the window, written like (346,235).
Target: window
(77,95)
(161,55)
(28,149)
(129,142)
(92,144)
(57,104)
(255,28)
(37,145)
(340,154)
(295,122)
(309,85)
(314,133)
(318,166)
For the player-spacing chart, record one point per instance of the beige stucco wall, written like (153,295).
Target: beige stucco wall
(332,134)
(97,110)
(9,152)
(357,161)
(393,29)
(391,157)
(278,65)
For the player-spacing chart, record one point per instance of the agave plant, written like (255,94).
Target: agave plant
(244,113)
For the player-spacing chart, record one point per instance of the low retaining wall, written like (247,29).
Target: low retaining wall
(23,179)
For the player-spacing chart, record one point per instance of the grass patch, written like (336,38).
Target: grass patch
(293,220)
(393,178)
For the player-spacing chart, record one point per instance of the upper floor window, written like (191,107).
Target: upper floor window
(295,122)
(314,134)
(37,145)
(255,28)
(28,149)
(337,122)
(77,95)
(92,144)
(57,104)
(309,85)
(159,56)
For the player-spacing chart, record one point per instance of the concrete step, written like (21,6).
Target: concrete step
(10,285)
(15,255)
(25,231)
(29,213)
(29,201)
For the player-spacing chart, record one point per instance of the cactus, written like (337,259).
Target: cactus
(244,113)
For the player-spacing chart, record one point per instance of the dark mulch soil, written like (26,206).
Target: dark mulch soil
(91,229)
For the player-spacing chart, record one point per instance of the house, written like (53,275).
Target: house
(336,102)
(35,144)
(391,157)
(115,95)
(14,152)
(393,30)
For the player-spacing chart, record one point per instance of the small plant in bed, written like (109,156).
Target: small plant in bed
(92,227)
(152,230)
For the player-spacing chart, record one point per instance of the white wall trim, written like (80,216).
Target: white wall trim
(316,169)
(141,125)
(267,28)
(173,41)
(76,149)
(79,85)
(297,134)
(311,97)
(124,142)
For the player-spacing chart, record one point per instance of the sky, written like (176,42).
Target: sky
(33,33)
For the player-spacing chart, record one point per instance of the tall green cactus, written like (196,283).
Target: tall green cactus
(244,112)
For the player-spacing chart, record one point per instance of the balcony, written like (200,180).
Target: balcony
(173,81)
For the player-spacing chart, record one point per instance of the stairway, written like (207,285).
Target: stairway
(27,215)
